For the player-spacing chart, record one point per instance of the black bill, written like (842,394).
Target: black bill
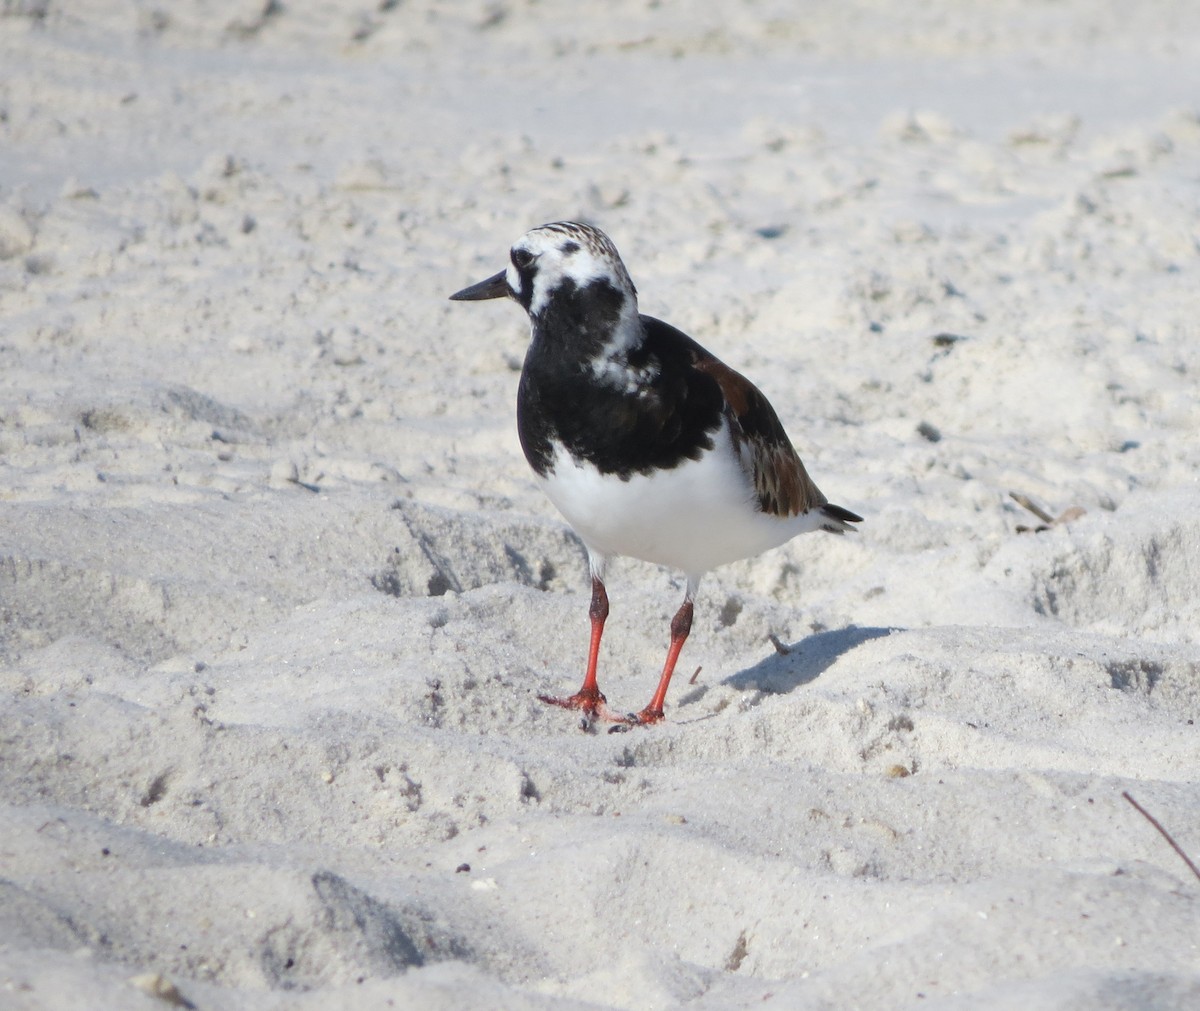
(493,287)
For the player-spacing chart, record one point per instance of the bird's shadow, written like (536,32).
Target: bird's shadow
(781,672)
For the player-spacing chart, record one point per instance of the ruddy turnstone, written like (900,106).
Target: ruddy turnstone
(648,444)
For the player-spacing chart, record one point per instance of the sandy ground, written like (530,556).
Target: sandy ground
(277,591)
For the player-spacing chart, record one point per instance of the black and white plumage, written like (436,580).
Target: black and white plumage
(648,444)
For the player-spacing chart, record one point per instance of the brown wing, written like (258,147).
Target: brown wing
(780,480)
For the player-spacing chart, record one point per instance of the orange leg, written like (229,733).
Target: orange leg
(589,698)
(681,625)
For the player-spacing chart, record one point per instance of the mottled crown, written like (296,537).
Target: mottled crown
(565,255)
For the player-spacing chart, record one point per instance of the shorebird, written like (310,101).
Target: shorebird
(648,444)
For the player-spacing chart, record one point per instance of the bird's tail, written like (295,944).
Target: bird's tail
(837,519)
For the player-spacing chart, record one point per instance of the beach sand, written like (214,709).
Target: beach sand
(278,592)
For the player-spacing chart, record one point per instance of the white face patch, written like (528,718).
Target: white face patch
(513,279)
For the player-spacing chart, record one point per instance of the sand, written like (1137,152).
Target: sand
(277,591)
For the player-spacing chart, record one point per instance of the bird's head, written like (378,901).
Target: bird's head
(566,262)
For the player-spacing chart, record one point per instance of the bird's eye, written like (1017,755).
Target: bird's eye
(521,258)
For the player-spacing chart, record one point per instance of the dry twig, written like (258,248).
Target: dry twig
(1047,521)
(1164,833)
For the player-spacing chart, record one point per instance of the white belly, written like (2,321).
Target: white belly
(694,517)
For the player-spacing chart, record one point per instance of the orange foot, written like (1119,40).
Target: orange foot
(591,703)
